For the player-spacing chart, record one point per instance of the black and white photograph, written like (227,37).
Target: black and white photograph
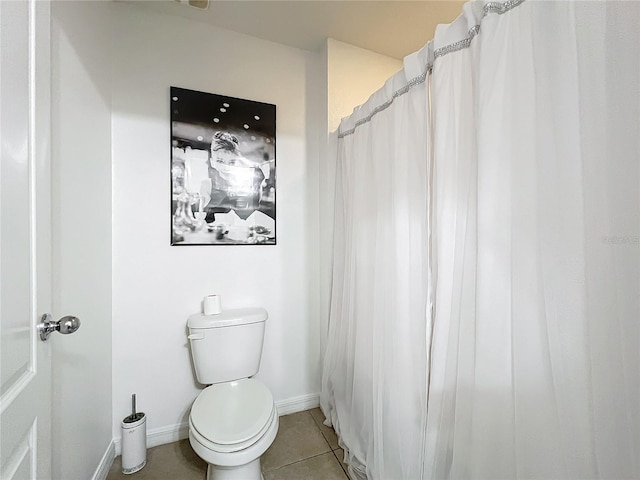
(223,170)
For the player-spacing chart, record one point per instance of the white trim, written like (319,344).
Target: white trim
(180,431)
(170,434)
(159,436)
(26,449)
(298,404)
(33,152)
(105,462)
(17,387)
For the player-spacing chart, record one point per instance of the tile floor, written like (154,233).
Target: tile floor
(304,449)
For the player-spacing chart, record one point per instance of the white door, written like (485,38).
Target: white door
(25,276)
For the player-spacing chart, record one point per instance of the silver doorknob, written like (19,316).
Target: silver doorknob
(67,324)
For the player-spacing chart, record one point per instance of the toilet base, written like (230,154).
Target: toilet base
(249,471)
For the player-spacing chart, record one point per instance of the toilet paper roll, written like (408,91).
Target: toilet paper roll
(212,305)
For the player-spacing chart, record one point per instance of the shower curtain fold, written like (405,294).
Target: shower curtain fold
(485,314)
(372,383)
(535,367)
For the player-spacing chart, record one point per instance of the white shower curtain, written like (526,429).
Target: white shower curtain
(374,382)
(534,255)
(536,371)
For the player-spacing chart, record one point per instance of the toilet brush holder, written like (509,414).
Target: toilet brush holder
(134,440)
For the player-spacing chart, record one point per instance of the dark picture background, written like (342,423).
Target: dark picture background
(223,169)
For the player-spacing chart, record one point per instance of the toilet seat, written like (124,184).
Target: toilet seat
(239,459)
(232,416)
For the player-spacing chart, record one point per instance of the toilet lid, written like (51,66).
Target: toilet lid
(232,412)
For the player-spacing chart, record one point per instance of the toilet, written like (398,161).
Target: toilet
(234,420)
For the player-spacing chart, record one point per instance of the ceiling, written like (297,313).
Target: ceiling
(393,27)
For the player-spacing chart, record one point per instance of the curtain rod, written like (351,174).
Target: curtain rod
(489,7)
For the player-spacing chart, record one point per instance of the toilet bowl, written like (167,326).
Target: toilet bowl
(231,425)
(234,420)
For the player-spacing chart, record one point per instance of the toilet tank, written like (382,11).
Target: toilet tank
(227,346)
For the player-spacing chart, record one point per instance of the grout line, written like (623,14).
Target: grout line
(333,450)
(321,432)
(298,461)
(340,462)
(320,427)
(329,450)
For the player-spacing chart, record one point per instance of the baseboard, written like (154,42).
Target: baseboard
(170,434)
(298,404)
(105,462)
(160,436)
(180,431)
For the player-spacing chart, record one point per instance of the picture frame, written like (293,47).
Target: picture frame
(223,170)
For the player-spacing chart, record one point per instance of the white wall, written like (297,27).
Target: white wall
(113,66)
(156,286)
(81,235)
(353,75)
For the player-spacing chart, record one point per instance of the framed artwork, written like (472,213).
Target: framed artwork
(223,170)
